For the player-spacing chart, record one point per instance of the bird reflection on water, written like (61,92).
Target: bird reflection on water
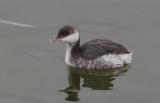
(95,79)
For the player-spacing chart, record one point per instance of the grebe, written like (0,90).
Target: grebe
(98,53)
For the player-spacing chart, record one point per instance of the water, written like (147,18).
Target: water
(33,71)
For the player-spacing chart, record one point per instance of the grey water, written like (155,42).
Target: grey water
(33,71)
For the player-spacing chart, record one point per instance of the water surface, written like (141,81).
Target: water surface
(33,71)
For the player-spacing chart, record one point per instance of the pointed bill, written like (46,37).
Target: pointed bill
(53,40)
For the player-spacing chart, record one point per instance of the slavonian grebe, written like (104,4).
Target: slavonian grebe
(98,53)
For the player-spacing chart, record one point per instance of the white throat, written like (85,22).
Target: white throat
(68,53)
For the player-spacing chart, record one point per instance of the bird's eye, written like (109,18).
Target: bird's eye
(65,33)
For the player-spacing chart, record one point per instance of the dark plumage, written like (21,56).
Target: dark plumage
(99,47)
(65,31)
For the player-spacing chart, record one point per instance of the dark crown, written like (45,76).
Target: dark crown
(65,31)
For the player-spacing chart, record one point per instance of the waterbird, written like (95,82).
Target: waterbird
(97,53)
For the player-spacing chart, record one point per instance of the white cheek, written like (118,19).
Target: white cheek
(71,38)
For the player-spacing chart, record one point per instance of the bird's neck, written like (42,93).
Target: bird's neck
(71,49)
